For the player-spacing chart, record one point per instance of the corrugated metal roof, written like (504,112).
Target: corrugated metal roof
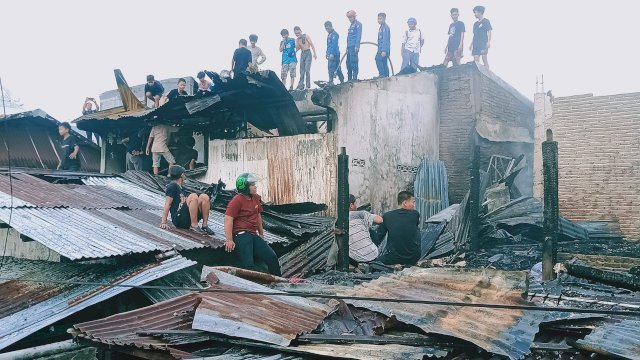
(431,189)
(500,331)
(370,351)
(26,307)
(620,339)
(270,319)
(309,256)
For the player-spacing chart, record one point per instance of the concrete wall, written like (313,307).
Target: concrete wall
(387,126)
(31,250)
(295,168)
(479,108)
(599,157)
(111,99)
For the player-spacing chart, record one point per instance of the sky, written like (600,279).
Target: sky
(55,53)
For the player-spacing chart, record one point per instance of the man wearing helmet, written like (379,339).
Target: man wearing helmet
(243,227)
(185,211)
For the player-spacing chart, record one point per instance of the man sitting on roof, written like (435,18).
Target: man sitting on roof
(186,212)
(204,85)
(70,149)
(243,227)
(362,248)
(179,91)
(403,242)
(153,91)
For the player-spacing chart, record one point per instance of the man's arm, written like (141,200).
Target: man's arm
(382,232)
(74,154)
(149,143)
(461,41)
(489,39)
(261,58)
(377,219)
(192,164)
(358,37)
(229,245)
(165,212)
(282,45)
(260,227)
(313,47)
(95,103)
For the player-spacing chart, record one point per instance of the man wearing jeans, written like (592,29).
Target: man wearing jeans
(384,46)
(354,36)
(333,53)
(243,228)
(305,45)
(411,45)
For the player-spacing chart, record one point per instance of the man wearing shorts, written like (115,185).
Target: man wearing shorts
(481,36)
(153,91)
(455,44)
(289,59)
(185,211)
(158,145)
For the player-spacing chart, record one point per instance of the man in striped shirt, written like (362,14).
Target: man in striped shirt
(362,248)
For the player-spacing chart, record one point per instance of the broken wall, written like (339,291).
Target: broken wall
(598,156)
(388,127)
(479,108)
(32,250)
(295,168)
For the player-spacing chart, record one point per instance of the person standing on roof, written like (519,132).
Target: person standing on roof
(70,149)
(481,36)
(412,45)
(305,45)
(186,211)
(257,56)
(241,58)
(153,91)
(333,53)
(354,36)
(289,59)
(87,109)
(455,44)
(134,157)
(403,242)
(384,46)
(158,145)
(243,227)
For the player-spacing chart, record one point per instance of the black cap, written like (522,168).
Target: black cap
(352,199)
(175,172)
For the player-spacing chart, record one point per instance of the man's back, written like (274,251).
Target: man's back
(403,246)
(361,247)
(242,56)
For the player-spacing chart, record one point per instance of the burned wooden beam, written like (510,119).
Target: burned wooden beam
(617,279)
(342,233)
(551,212)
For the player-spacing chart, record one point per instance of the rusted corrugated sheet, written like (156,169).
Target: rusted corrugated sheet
(296,168)
(270,319)
(26,307)
(500,331)
(619,339)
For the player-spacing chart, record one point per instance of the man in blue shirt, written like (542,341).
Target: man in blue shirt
(455,44)
(153,90)
(333,53)
(353,45)
(289,59)
(384,46)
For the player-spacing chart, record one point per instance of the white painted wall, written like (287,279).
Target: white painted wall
(388,123)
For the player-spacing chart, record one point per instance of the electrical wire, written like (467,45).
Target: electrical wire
(339,297)
(6,131)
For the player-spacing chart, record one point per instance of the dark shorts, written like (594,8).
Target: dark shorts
(183,218)
(453,55)
(70,167)
(480,50)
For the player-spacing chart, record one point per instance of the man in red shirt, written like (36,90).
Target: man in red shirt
(243,227)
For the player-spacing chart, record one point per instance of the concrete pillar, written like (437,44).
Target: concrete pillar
(551,211)
(342,230)
(543,110)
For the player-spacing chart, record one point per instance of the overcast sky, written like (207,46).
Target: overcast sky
(56,53)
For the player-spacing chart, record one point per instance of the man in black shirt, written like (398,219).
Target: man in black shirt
(70,149)
(185,154)
(187,211)
(180,91)
(133,142)
(455,44)
(481,36)
(403,242)
(153,90)
(241,59)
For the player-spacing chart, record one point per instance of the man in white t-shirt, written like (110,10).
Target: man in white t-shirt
(362,248)
(412,42)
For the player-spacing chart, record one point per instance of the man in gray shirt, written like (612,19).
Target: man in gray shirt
(362,248)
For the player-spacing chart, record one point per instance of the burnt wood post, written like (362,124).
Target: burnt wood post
(474,199)
(551,211)
(342,224)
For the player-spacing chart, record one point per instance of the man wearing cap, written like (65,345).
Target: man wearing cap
(412,42)
(362,248)
(185,211)
(243,228)
(354,37)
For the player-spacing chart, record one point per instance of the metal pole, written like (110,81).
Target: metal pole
(551,211)
(342,225)
(474,199)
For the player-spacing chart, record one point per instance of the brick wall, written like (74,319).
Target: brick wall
(456,128)
(599,158)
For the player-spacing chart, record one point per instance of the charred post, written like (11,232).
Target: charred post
(342,225)
(551,212)
(474,199)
